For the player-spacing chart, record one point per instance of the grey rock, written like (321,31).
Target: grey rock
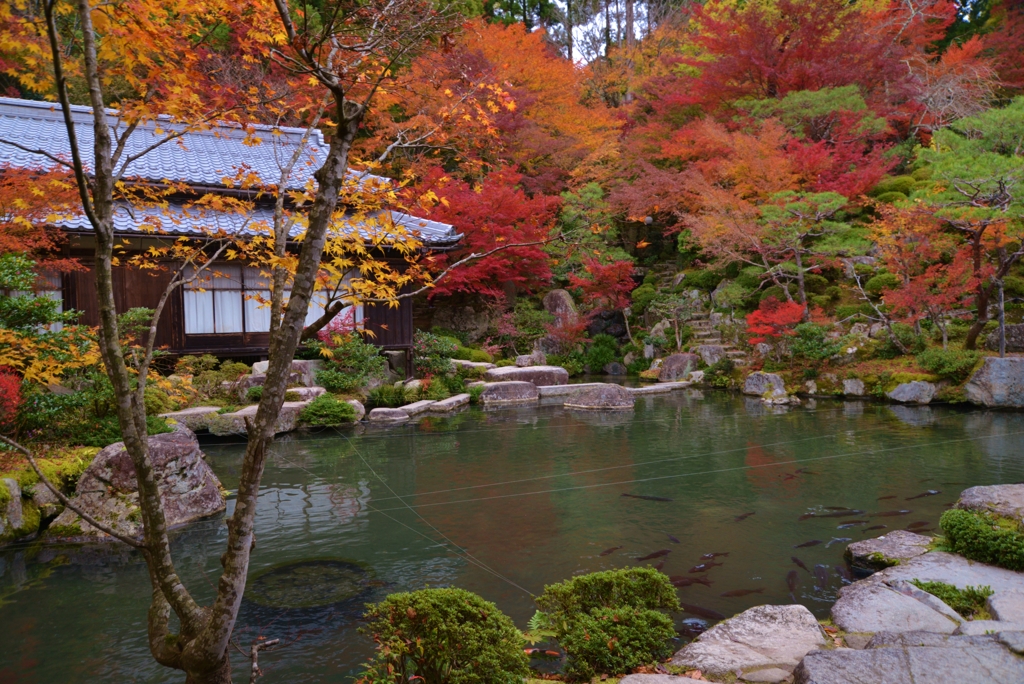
(450,404)
(108,490)
(811,387)
(853,387)
(303,371)
(463,319)
(388,415)
(195,418)
(416,408)
(307,393)
(660,329)
(473,364)
(763,348)
(536,358)
(629,358)
(759,638)
(917,392)
(718,319)
(614,368)
(860,329)
(970,662)
(605,397)
(509,392)
(931,600)
(234,423)
(938,566)
(768,674)
(46,501)
(696,376)
(547,344)
(414,385)
(999,382)
(1012,640)
(1014,338)
(538,375)
(651,679)
(875,607)
(711,354)
(1006,501)
(1007,606)
(914,416)
(889,549)
(758,383)
(987,627)
(358,406)
(11,515)
(559,304)
(678,367)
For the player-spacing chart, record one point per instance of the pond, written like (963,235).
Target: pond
(503,502)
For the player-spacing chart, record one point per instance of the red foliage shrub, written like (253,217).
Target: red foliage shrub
(605,286)
(10,398)
(773,319)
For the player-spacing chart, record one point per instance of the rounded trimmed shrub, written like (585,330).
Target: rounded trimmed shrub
(327,410)
(984,538)
(443,636)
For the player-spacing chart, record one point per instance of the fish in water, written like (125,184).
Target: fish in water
(883,498)
(711,556)
(891,514)
(804,471)
(741,518)
(656,554)
(930,492)
(919,523)
(836,540)
(834,514)
(837,508)
(844,573)
(813,542)
(645,497)
(742,592)
(799,563)
(682,581)
(608,552)
(874,527)
(921,530)
(821,574)
(705,566)
(660,565)
(852,523)
(792,580)
(702,612)
(672,539)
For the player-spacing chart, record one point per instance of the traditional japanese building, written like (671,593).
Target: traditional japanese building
(223,315)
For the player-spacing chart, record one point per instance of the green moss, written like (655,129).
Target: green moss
(74,530)
(62,467)
(880,561)
(968,602)
(984,537)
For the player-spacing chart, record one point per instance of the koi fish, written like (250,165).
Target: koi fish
(705,566)
(836,540)
(673,539)
(742,592)
(890,514)
(656,554)
(792,580)
(646,498)
(813,542)
(741,518)
(608,552)
(712,556)
(799,563)
(683,581)
(702,612)
(875,527)
(930,492)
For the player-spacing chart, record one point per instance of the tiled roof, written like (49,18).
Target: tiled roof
(198,158)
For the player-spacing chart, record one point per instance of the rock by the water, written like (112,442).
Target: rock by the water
(14,523)
(890,549)
(303,371)
(759,383)
(761,638)
(234,423)
(108,491)
(473,365)
(538,375)
(359,408)
(605,397)
(388,415)
(711,354)
(509,392)
(875,607)
(916,392)
(915,658)
(195,418)
(1014,338)
(450,404)
(306,393)
(853,387)
(536,358)
(417,407)
(1006,501)
(614,368)
(1007,606)
(998,383)
(559,304)
(678,367)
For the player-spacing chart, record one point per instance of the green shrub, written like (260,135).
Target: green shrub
(573,362)
(984,538)
(777,292)
(969,602)
(194,365)
(100,432)
(1013,286)
(462,353)
(812,342)
(349,363)
(255,393)
(642,297)
(814,283)
(327,410)
(474,393)
(461,338)
(821,300)
(833,292)
(603,350)
(505,362)
(432,354)
(623,612)
(436,391)
(480,356)
(845,311)
(913,342)
(953,364)
(901,184)
(922,174)
(891,197)
(156,400)
(750,277)
(443,636)
(882,282)
(291,395)
(703,280)
(385,396)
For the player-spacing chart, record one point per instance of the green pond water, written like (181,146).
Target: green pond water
(503,502)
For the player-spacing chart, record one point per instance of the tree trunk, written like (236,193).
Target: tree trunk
(568,29)
(1002,322)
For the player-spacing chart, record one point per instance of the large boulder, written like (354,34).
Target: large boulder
(917,392)
(767,640)
(559,304)
(464,319)
(535,358)
(876,607)
(853,387)
(234,423)
(678,367)
(998,383)
(511,392)
(195,418)
(303,371)
(538,375)
(108,491)
(614,368)
(890,549)
(602,397)
(1014,338)
(608,323)
(711,354)
(760,383)
(18,518)
(1005,501)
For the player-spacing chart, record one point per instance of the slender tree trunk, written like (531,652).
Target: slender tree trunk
(568,29)
(800,289)
(1002,321)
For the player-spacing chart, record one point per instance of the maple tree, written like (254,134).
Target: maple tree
(773,320)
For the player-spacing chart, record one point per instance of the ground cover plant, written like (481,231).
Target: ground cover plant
(984,538)
(969,602)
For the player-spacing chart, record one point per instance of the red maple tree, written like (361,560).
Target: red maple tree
(773,320)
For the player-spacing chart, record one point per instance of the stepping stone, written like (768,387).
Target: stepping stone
(509,393)
(1006,501)
(195,418)
(234,423)
(450,404)
(605,397)
(416,407)
(874,607)
(545,391)
(307,393)
(473,364)
(770,640)
(393,416)
(1007,605)
(538,375)
(890,549)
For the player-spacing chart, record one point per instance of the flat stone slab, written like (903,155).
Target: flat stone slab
(952,569)
(1007,606)
(416,407)
(759,382)
(473,364)
(450,404)
(889,549)
(956,660)
(234,423)
(512,392)
(307,393)
(545,391)
(1006,501)
(758,639)
(388,415)
(660,388)
(538,375)
(604,397)
(999,382)
(875,607)
(195,418)
(653,679)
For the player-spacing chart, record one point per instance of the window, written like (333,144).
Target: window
(233,299)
